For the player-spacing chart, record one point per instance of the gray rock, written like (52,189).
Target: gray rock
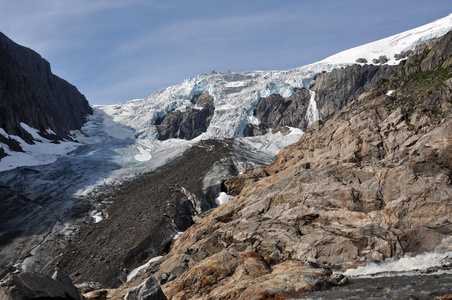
(361,60)
(380,60)
(306,165)
(335,89)
(275,111)
(188,124)
(439,54)
(32,286)
(69,288)
(149,290)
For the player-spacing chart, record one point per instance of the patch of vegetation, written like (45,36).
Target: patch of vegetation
(434,113)
(417,84)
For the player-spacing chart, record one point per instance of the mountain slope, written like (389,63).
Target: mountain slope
(369,184)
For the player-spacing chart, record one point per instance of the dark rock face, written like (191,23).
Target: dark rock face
(334,90)
(276,112)
(189,124)
(31,94)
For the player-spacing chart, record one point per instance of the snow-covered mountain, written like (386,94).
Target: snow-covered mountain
(122,140)
(237,94)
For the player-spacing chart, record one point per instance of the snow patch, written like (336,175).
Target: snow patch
(144,155)
(389,93)
(223,198)
(146,265)
(33,132)
(177,235)
(50,131)
(42,152)
(395,44)
(98,216)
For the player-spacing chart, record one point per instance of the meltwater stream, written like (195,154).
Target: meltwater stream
(423,277)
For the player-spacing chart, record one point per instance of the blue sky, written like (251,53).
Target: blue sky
(119,50)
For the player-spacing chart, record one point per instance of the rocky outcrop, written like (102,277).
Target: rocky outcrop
(248,275)
(335,89)
(190,123)
(31,94)
(148,290)
(26,286)
(233,186)
(275,111)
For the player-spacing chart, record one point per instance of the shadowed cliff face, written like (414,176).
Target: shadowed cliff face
(190,123)
(333,91)
(31,94)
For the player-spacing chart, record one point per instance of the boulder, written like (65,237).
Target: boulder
(69,288)
(148,290)
(26,286)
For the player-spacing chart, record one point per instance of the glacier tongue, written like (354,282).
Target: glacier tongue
(235,97)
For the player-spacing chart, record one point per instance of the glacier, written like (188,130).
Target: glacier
(120,141)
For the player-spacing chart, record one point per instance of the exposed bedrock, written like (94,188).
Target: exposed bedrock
(275,111)
(334,90)
(190,123)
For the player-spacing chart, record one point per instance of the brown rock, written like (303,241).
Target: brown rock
(246,275)
(235,184)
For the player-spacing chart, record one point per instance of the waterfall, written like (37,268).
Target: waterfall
(312,113)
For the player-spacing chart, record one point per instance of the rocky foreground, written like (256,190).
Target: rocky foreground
(369,184)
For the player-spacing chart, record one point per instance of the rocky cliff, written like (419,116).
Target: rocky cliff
(370,183)
(31,94)
(333,91)
(190,123)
